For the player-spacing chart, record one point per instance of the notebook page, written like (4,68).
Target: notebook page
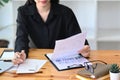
(30,66)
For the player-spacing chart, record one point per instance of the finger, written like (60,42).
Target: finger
(17,61)
(85,49)
(17,55)
(23,54)
(14,61)
(17,58)
(88,50)
(22,51)
(20,54)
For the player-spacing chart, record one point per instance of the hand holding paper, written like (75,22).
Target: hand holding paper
(65,55)
(85,51)
(69,46)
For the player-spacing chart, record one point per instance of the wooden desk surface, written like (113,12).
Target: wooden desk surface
(49,72)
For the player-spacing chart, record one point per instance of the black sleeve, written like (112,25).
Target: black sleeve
(21,42)
(72,24)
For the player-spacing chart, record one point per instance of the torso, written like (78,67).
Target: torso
(56,25)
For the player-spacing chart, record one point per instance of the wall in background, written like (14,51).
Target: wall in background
(108,25)
(85,12)
(100,19)
(6,15)
(7,23)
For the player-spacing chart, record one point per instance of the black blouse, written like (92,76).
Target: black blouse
(61,23)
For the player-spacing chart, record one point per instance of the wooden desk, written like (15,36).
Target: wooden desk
(49,72)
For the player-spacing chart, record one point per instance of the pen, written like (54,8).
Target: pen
(75,66)
(6,60)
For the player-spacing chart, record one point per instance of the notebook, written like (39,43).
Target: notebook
(100,71)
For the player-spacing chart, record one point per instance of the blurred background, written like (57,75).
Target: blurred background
(99,18)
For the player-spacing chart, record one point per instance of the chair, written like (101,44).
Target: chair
(3,43)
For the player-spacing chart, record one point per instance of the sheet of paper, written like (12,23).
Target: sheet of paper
(30,66)
(69,46)
(8,55)
(13,68)
(72,61)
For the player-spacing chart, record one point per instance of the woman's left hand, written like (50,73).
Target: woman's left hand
(85,51)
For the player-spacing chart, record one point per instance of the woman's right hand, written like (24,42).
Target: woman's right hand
(19,57)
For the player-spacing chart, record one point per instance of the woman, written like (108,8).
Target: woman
(44,21)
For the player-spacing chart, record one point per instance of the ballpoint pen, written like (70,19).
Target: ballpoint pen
(6,60)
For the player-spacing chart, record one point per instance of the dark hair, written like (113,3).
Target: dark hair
(29,2)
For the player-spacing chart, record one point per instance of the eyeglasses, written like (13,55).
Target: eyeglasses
(89,67)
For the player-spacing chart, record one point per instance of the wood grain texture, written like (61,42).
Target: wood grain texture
(49,72)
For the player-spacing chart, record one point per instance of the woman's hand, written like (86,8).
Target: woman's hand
(85,51)
(19,57)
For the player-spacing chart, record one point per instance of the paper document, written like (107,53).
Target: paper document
(30,66)
(7,55)
(70,62)
(65,55)
(69,46)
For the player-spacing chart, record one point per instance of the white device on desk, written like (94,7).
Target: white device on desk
(5,66)
(6,60)
(7,55)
